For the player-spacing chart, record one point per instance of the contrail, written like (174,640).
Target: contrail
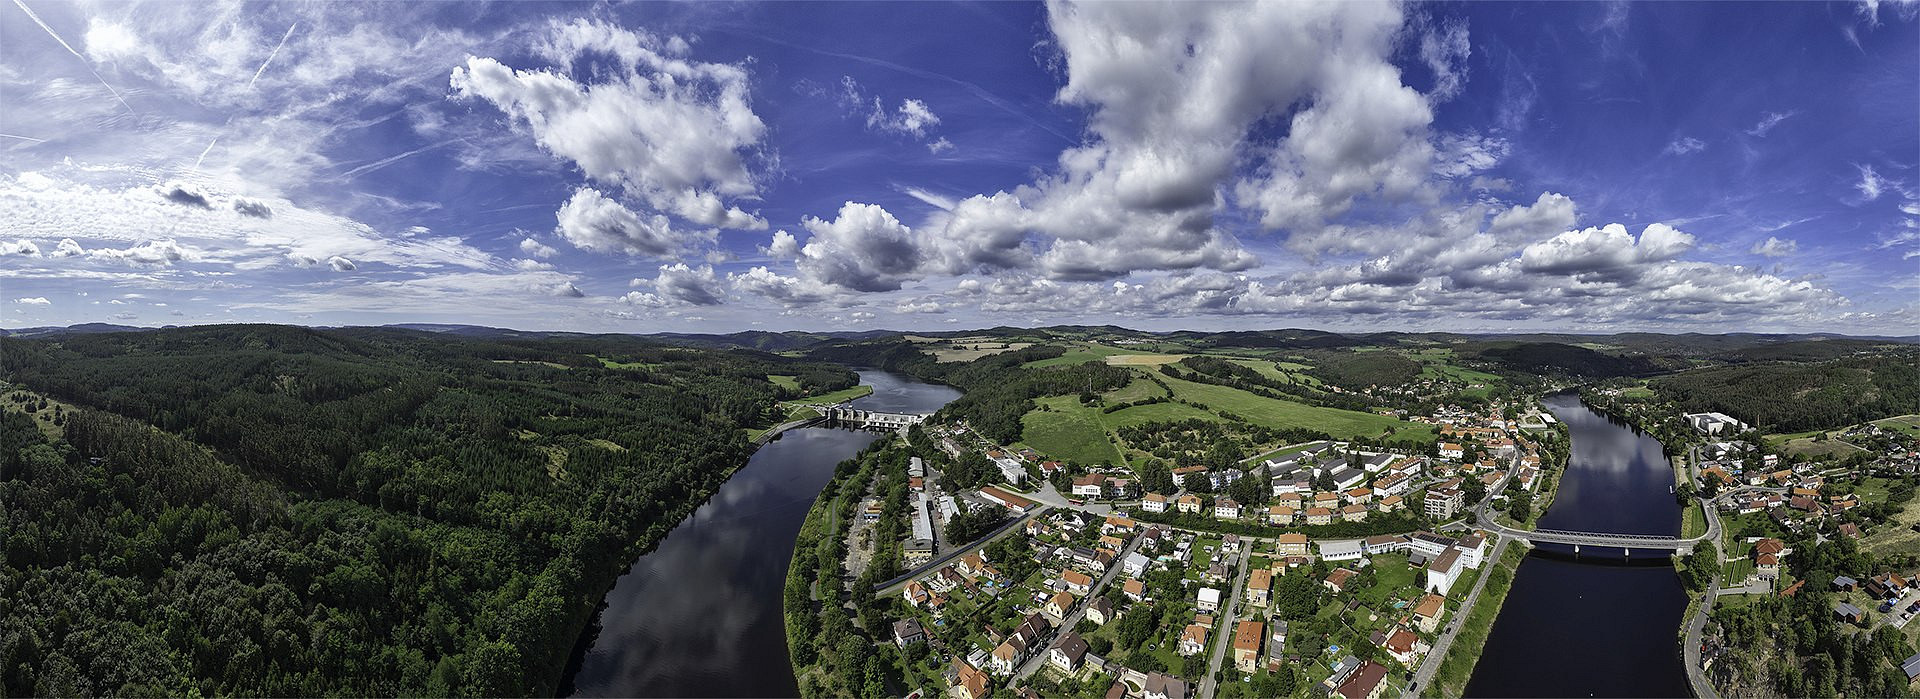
(23,138)
(383,162)
(270,54)
(76,54)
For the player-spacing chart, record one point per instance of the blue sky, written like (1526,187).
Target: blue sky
(646,167)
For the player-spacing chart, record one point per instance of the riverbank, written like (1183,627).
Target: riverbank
(1464,654)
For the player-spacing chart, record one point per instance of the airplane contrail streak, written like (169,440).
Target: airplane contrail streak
(76,54)
(23,138)
(270,54)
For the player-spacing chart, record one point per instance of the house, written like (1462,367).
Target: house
(1230,544)
(1136,564)
(1292,544)
(1342,670)
(1217,573)
(1443,571)
(1428,544)
(1767,565)
(1008,655)
(1100,611)
(1154,502)
(1848,613)
(1405,646)
(1246,645)
(1160,685)
(1850,530)
(1188,503)
(1092,485)
(1078,582)
(1207,599)
(1842,583)
(907,632)
(1226,508)
(1791,589)
(1068,652)
(1319,515)
(1366,683)
(1326,500)
(1348,478)
(1059,605)
(1354,513)
(1276,643)
(1281,515)
(1337,580)
(915,593)
(969,682)
(1259,586)
(1426,612)
(1193,640)
(1360,495)
(1134,589)
(1449,450)
(1912,667)
(1390,503)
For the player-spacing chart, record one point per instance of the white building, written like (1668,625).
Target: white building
(1341,550)
(1715,423)
(1443,571)
(1208,600)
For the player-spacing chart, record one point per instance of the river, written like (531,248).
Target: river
(700,615)
(1594,625)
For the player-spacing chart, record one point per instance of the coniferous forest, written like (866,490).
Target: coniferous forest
(270,510)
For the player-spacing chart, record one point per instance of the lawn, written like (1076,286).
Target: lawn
(1069,431)
(836,397)
(1278,371)
(1280,413)
(791,383)
(1069,359)
(1155,412)
(1144,359)
(1736,571)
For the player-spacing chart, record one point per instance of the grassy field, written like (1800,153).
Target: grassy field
(1136,389)
(1905,423)
(1897,535)
(610,364)
(1158,412)
(963,350)
(42,419)
(1144,359)
(840,396)
(1279,371)
(1813,446)
(1279,413)
(1437,370)
(1069,431)
(787,382)
(1457,667)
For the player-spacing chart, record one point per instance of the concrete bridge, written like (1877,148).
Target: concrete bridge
(849,415)
(1625,542)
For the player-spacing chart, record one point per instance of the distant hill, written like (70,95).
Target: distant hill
(81,329)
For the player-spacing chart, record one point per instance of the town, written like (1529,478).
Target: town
(1346,569)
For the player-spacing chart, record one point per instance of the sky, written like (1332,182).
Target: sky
(715,167)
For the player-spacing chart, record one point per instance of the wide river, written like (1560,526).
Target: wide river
(1594,626)
(700,616)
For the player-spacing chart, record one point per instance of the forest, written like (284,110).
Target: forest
(1793,397)
(270,510)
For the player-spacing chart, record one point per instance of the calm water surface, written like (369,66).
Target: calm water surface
(700,615)
(1594,625)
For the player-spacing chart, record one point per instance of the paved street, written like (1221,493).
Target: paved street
(1223,622)
(1435,657)
(1079,611)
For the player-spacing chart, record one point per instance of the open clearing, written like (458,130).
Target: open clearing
(1342,424)
(1905,423)
(963,350)
(791,383)
(1144,359)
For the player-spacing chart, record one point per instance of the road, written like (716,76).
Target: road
(1079,612)
(1441,645)
(1223,624)
(1690,655)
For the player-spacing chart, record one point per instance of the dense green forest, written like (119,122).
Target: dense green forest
(1783,397)
(267,510)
